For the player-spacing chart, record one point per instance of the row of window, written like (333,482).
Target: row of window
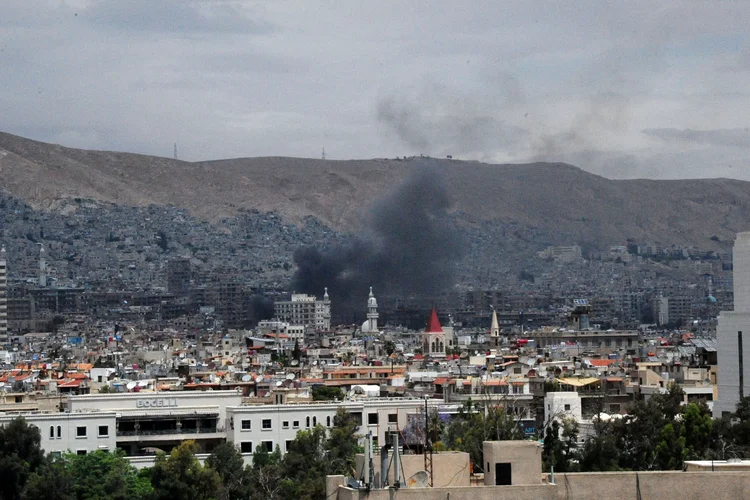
(247,446)
(81,431)
(267,424)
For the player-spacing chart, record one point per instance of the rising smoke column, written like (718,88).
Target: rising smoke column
(408,247)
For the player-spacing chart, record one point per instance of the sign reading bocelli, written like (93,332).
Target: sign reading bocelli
(156,403)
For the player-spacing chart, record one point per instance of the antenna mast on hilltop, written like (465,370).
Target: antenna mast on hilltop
(175,150)
(323,156)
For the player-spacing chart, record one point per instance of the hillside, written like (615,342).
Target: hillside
(561,200)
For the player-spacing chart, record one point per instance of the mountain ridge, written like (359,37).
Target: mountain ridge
(574,205)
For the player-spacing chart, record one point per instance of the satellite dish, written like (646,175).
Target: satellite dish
(419,480)
(353,483)
(246,378)
(259,379)
(290,376)
(463,355)
(279,383)
(143,383)
(131,385)
(294,362)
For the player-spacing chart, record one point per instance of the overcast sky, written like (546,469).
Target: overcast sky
(624,89)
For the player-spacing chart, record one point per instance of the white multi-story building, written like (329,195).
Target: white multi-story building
(163,419)
(251,426)
(733,335)
(79,433)
(305,310)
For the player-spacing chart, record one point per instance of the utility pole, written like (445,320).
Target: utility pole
(427,445)
(175,150)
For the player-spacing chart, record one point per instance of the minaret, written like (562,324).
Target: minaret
(42,268)
(3,296)
(326,310)
(495,328)
(372,313)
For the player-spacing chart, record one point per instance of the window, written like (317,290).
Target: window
(59,432)
(307,422)
(393,418)
(295,424)
(52,432)
(517,371)
(103,430)
(81,432)
(80,452)
(287,445)
(614,407)
(266,424)
(246,425)
(567,407)
(268,445)
(246,447)
(285,424)
(56,454)
(315,421)
(372,418)
(328,421)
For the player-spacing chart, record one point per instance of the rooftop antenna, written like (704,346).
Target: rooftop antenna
(323,156)
(175,150)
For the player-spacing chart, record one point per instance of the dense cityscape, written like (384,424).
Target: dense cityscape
(374,250)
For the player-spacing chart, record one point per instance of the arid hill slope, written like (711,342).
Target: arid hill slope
(563,200)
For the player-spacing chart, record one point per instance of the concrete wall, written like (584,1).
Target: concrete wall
(535,492)
(582,486)
(653,485)
(525,458)
(450,468)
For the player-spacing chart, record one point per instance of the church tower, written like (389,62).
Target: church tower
(433,338)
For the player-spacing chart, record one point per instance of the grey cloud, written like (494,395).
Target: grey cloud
(437,120)
(177,16)
(734,137)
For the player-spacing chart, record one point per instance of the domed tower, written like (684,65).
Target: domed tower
(371,325)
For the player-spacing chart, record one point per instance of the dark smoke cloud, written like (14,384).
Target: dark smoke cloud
(408,248)
(259,308)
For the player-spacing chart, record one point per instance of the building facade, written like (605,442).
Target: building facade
(305,310)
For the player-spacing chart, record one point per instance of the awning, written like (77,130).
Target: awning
(579,382)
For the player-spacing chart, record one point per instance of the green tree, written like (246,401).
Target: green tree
(180,475)
(389,347)
(343,443)
(560,446)
(51,481)
(305,466)
(697,427)
(326,393)
(469,429)
(670,450)
(265,474)
(20,456)
(227,461)
(296,352)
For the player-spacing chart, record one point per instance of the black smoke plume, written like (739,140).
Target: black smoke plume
(260,307)
(408,248)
